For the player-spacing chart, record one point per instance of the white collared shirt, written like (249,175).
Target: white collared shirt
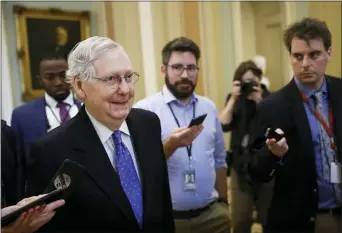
(52,111)
(105,135)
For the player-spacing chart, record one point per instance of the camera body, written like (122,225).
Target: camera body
(247,87)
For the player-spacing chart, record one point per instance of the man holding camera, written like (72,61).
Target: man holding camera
(237,117)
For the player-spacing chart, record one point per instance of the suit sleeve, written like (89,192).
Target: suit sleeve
(36,175)
(13,166)
(40,172)
(19,163)
(168,223)
(263,163)
(20,147)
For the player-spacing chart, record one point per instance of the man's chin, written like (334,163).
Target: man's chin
(61,96)
(120,110)
(308,80)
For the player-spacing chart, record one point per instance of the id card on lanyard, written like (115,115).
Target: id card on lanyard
(189,174)
(335,166)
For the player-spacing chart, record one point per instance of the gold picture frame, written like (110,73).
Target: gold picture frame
(42,31)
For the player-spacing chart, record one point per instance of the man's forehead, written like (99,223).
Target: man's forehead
(177,55)
(53,64)
(115,59)
(300,45)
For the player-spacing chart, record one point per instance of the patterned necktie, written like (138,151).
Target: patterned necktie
(128,176)
(63,111)
(325,146)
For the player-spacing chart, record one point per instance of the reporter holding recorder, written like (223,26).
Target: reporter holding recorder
(31,220)
(237,117)
(307,194)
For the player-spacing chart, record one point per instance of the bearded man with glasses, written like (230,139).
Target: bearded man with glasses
(195,155)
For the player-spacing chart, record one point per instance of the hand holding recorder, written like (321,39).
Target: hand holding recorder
(183,136)
(32,219)
(276,142)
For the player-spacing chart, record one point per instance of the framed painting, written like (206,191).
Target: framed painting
(41,31)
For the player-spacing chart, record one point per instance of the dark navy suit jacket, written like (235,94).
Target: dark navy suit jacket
(29,122)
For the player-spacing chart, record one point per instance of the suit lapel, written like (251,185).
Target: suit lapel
(90,152)
(144,158)
(301,121)
(41,117)
(335,99)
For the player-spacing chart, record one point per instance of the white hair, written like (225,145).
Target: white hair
(82,57)
(260,61)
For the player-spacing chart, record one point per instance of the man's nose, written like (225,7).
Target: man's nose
(185,74)
(59,80)
(123,86)
(306,61)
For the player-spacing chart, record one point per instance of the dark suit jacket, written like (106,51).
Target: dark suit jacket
(12,168)
(295,200)
(98,202)
(29,122)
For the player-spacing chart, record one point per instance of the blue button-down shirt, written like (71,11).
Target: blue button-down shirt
(208,149)
(326,198)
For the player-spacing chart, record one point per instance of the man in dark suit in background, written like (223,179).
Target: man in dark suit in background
(305,162)
(126,188)
(12,168)
(33,119)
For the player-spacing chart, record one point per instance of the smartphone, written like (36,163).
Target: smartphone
(48,198)
(270,133)
(198,120)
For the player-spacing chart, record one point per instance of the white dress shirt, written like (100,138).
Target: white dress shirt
(105,135)
(52,111)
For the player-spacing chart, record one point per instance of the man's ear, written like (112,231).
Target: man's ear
(78,88)
(163,69)
(329,54)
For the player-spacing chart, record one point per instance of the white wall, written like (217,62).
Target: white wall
(6,87)
(248,30)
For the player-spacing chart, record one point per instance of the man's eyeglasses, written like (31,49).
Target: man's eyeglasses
(114,81)
(178,69)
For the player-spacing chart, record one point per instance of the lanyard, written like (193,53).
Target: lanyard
(328,129)
(188,148)
(59,121)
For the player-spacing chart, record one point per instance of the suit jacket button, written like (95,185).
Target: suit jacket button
(315,190)
(312,219)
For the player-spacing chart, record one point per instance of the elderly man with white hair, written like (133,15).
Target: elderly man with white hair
(126,188)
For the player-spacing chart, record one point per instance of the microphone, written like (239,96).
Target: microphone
(66,177)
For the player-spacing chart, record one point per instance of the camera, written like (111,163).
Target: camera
(247,87)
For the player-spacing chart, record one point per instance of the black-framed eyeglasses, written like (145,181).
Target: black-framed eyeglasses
(115,80)
(178,69)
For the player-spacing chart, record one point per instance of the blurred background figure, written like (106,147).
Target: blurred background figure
(261,63)
(13,171)
(237,117)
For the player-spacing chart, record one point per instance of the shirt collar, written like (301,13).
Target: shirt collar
(53,103)
(169,97)
(103,131)
(309,91)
